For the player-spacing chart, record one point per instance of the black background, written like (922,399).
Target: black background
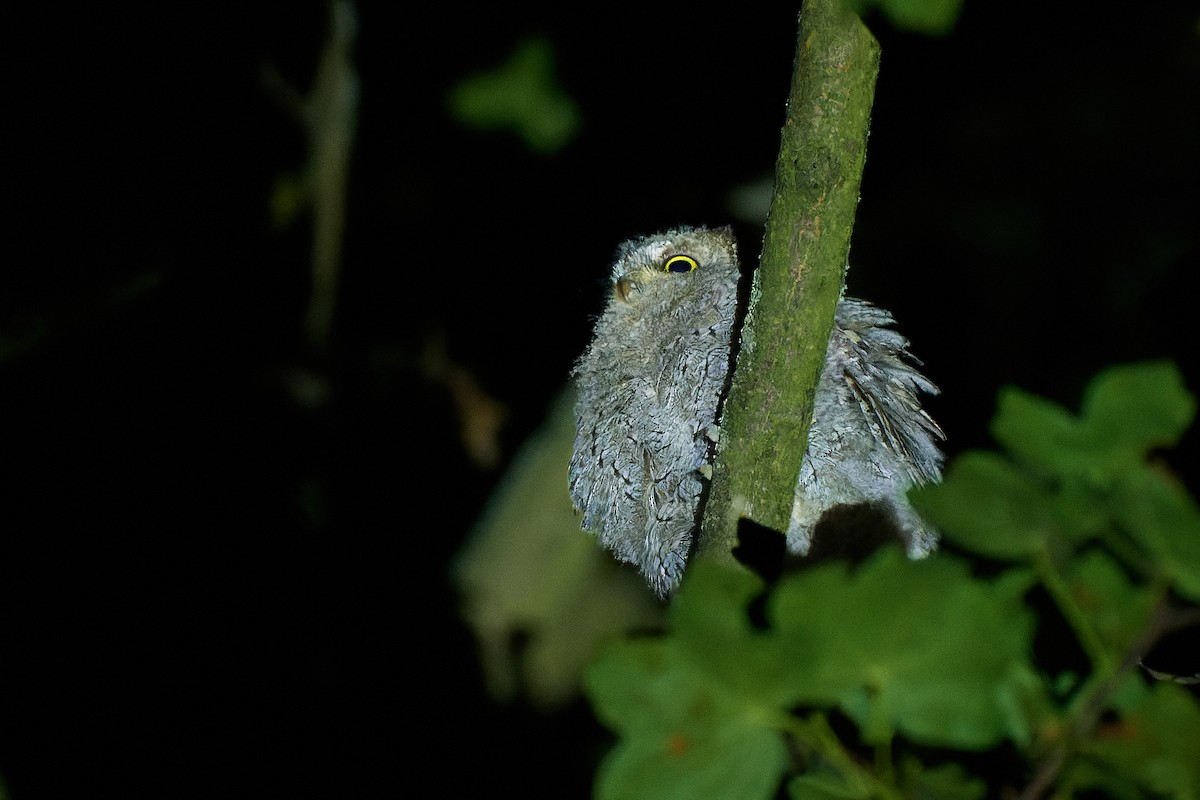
(210,591)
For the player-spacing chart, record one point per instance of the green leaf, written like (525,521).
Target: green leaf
(825,784)
(1115,608)
(1156,744)
(711,625)
(986,505)
(1164,519)
(1130,694)
(1041,434)
(1141,406)
(683,737)
(1127,410)
(931,17)
(689,706)
(521,96)
(1082,512)
(713,598)
(731,759)
(631,682)
(943,782)
(921,648)
(1081,774)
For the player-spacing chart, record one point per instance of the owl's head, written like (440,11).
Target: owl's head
(673,254)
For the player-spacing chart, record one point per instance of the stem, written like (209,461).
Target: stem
(815,734)
(332,117)
(764,426)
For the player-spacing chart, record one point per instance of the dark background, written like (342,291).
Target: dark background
(210,590)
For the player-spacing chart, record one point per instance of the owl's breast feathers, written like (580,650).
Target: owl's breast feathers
(649,388)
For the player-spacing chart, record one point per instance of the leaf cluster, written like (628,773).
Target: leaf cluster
(901,678)
(521,96)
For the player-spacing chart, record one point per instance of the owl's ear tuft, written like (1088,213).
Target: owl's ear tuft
(680,263)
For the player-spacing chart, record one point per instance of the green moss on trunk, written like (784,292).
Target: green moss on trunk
(799,279)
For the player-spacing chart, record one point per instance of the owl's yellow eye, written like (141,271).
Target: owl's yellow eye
(680,264)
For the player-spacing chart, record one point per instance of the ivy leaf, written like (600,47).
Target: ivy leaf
(921,648)
(988,506)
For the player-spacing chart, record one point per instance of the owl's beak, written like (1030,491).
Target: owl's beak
(631,284)
(624,287)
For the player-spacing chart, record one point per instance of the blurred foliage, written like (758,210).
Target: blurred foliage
(939,656)
(539,594)
(522,96)
(932,17)
(1069,480)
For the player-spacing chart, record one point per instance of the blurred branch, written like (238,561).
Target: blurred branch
(329,115)
(799,280)
(480,416)
(33,326)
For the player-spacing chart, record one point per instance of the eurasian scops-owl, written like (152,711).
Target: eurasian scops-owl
(649,392)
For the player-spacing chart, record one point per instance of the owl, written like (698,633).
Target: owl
(650,387)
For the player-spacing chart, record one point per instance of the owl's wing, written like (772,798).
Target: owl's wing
(625,478)
(607,475)
(881,374)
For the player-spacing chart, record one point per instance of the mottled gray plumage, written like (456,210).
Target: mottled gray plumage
(651,382)
(870,440)
(649,386)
